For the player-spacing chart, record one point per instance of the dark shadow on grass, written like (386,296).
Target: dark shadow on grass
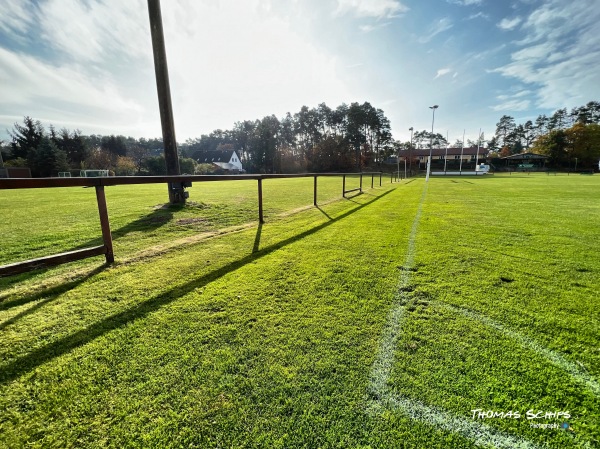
(257,238)
(150,222)
(51,292)
(22,365)
(324,213)
(159,217)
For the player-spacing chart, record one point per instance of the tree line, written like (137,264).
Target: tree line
(49,152)
(563,136)
(314,139)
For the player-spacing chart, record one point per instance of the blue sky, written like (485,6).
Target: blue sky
(87,64)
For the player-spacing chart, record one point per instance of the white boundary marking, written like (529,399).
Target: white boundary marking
(383,397)
(555,357)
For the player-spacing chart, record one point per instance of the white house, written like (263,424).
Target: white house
(225,159)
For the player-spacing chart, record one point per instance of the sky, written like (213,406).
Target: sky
(87,64)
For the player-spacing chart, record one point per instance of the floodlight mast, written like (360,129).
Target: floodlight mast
(410,151)
(177,194)
(433,108)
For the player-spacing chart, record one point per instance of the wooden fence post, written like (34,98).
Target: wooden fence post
(344,186)
(261,218)
(105,224)
(360,183)
(372,176)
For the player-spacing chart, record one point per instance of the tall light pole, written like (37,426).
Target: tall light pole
(433,108)
(410,151)
(398,161)
(446,155)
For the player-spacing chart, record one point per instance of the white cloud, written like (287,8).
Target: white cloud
(16,16)
(63,94)
(478,15)
(228,61)
(509,24)
(465,2)
(512,105)
(442,72)
(368,28)
(371,8)
(438,27)
(559,54)
(92,31)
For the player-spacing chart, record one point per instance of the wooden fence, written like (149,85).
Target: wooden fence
(179,181)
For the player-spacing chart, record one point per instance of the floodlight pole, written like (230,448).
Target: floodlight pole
(410,150)
(398,161)
(478,145)
(462,148)
(433,108)
(176,191)
(446,155)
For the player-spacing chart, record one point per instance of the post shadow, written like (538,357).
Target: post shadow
(159,217)
(41,355)
(51,291)
(48,295)
(324,213)
(257,238)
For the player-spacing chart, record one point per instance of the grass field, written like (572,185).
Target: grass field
(378,321)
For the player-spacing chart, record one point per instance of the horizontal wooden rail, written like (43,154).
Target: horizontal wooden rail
(100,182)
(48,261)
(39,183)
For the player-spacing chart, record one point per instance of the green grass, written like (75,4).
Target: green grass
(49,221)
(266,336)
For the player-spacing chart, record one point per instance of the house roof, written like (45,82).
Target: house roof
(208,157)
(442,152)
(522,156)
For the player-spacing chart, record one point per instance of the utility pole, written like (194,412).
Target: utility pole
(410,150)
(446,155)
(462,148)
(433,108)
(478,146)
(398,161)
(177,194)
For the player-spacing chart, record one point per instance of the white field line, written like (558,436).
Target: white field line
(382,396)
(555,357)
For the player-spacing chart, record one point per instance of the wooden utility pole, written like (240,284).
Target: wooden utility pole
(176,190)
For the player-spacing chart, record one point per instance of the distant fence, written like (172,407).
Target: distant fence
(180,181)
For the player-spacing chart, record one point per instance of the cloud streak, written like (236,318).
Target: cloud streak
(371,8)
(509,24)
(438,27)
(227,62)
(442,72)
(559,53)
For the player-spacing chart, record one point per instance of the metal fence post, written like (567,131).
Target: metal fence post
(315,191)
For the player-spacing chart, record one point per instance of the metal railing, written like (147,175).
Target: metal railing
(181,181)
